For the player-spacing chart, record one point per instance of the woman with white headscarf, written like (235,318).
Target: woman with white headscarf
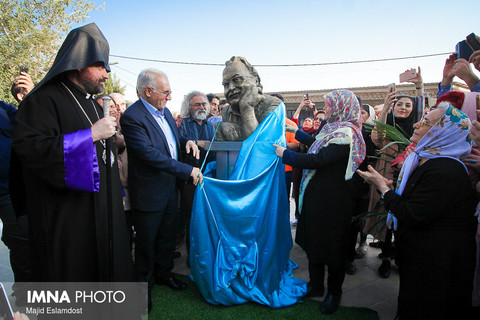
(434,206)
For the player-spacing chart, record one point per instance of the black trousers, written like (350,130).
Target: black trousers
(336,276)
(186,204)
(15,237)
(155,242)
(356,226)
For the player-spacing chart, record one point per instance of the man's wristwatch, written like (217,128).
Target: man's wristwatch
(382,194)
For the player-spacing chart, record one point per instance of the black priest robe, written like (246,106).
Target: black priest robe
(68,225)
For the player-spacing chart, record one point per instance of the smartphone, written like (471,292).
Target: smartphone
(408,75)
(5,308)
(392,87)
(463,50)
(24,69)
(473,42)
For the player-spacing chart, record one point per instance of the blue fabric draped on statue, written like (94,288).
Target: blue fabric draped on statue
(240,229)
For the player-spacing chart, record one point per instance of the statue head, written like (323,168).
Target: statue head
(239,78)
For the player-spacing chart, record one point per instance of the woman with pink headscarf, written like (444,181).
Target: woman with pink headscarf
(327,193)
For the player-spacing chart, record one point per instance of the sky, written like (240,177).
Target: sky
(282,32)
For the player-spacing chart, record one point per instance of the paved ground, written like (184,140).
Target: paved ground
(364,289)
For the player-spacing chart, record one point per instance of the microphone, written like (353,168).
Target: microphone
(106,106)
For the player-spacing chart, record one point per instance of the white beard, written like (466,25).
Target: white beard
(200,115)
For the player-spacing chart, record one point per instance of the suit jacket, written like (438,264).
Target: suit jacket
(152,172)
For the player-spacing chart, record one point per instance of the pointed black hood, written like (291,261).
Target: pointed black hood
(82,47)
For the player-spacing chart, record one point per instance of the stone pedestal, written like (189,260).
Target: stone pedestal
(226,156)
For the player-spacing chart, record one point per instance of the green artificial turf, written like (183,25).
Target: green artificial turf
(189,304)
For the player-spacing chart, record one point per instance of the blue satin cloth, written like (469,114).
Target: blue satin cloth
(240,237)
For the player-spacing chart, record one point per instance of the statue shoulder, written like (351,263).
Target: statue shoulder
(274,101)
(267,104)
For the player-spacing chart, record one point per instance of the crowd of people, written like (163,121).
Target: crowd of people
(64,220)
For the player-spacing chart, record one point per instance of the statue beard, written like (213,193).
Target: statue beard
(200,115)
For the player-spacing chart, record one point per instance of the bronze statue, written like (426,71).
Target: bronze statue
(248,105)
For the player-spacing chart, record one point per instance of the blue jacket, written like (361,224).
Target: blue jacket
(152,172)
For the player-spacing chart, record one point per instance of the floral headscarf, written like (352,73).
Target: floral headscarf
(464,101)
(343,127)
(448,138)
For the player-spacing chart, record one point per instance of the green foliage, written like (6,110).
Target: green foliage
(31,32)
(398,143)
(380,223)
(113,85)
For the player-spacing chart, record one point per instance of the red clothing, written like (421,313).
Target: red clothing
(290,138)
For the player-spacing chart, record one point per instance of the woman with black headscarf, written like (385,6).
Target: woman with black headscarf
(398,111)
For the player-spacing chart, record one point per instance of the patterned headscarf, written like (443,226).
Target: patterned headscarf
(464,101)
(448,138)
(343,127)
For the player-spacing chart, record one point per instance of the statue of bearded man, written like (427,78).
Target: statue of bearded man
(248,105)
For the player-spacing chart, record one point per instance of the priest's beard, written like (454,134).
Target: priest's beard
(93,86)
(200,115)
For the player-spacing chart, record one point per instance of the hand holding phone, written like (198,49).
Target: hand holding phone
(463,50)
(408,75)
(473,42)
(392,87)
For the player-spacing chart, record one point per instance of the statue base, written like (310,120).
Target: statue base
(226,156)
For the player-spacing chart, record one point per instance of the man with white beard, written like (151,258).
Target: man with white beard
(195,109)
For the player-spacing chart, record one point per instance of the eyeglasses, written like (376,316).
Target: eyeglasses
(425,122)
(236,80)
(167,93)
(199,104)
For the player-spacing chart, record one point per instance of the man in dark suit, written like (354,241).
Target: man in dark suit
(154,166)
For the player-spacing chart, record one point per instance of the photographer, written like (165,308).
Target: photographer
(462,69)
(398,111)
(475,57)
(15,227)
(306,102)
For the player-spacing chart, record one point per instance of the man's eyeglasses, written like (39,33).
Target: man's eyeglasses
(167,93)
(199,104)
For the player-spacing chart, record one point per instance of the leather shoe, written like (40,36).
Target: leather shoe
(313,291)
(350,268)
(172,283)
(384,270)
(330,304)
